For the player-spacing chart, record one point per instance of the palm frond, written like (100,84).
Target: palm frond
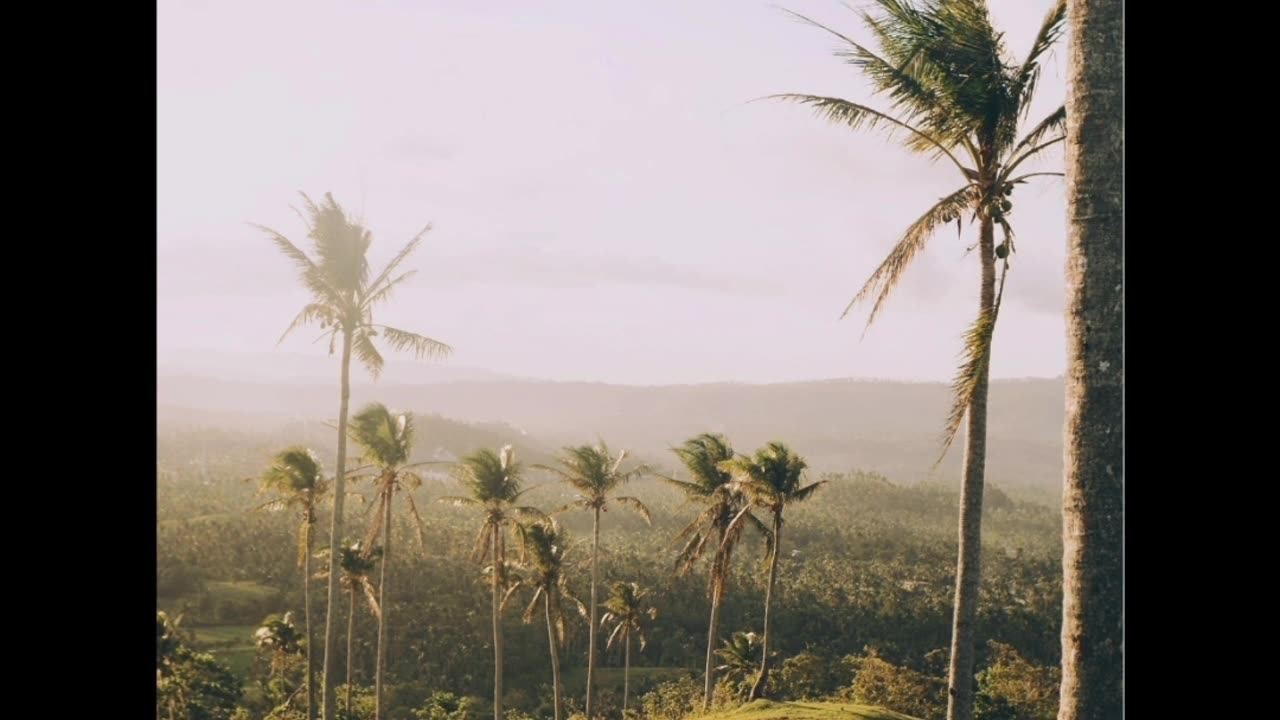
(977,357)
(367,353)
(637,506)
(376,286)
(806,492)
(856,116)
(459,501)
(889,273)
(1050,30)
(311,313)
(421,346)
(417,520)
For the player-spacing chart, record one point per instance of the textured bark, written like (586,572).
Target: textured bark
(497,622)
(555,657)
(591,631)
(351,632)
(335,532)
(757,690)
(960,677)
(385,610)
(717,597)
(308,521)
(1093,485)
(626,674)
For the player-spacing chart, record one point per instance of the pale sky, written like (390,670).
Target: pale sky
(605,204)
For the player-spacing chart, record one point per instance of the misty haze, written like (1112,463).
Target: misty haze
(575,360)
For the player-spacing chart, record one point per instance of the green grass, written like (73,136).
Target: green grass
(237,659)
(240,591)
(769,710)
(219,635)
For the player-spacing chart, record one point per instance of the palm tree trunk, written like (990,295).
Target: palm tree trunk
(497,622)
(1093,487)
(555,656)
(384,610)
(717,596)
(591,631)
(757,690)
(308,520)
(626,673)
(960,679)
(351,631)
(335,531)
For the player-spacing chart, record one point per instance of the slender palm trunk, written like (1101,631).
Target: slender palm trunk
(497,622)
(555,656)
(626,672)
(383,607)
(960,679)
(757,690)
(1093,487)
(718,572)
(308,521)
(351,632)
(591,631)
(335,532)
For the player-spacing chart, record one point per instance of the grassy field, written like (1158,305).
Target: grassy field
(769,710)
(232,645)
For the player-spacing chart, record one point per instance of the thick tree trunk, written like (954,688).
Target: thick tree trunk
(335,532)
(351,632)
(717,595)
(626,673)
(555,657)
(591,631)
(757,690)
(383,607)
(497,622)
(308,521)
(1093,487)
(960,679)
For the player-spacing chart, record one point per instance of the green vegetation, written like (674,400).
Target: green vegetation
(769,710)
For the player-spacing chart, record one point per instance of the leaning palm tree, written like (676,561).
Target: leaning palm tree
(342,302)
(544,547)
(1093,484)
(953,93)
(494,479)
(296,479)
(387,441)
(357,572)
(595,473)
(626,613)
(712,487)
(771,480)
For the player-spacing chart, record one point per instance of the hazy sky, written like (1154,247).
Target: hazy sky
(605,205)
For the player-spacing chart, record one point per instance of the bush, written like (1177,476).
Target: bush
(903,690)
(1012,688)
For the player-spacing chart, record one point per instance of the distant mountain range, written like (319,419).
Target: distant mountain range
(890,427)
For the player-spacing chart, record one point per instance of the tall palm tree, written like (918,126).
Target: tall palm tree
(595,473)
(387,441)
(296,479)
(1093,492)
(357,567)
(544,547)
(626,613)
(495,482)
(342,302)
(713,487)
(771,480)
(954,94)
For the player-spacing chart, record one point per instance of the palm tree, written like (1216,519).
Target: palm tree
(1093,493)
(713,487)
(544,547)
(278,635)
(387,440)
(494,479)
(771,480)
(357,570)
(296,479)
(342,302)
(954,94)
(627,613)
(741,654)
(595,473)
